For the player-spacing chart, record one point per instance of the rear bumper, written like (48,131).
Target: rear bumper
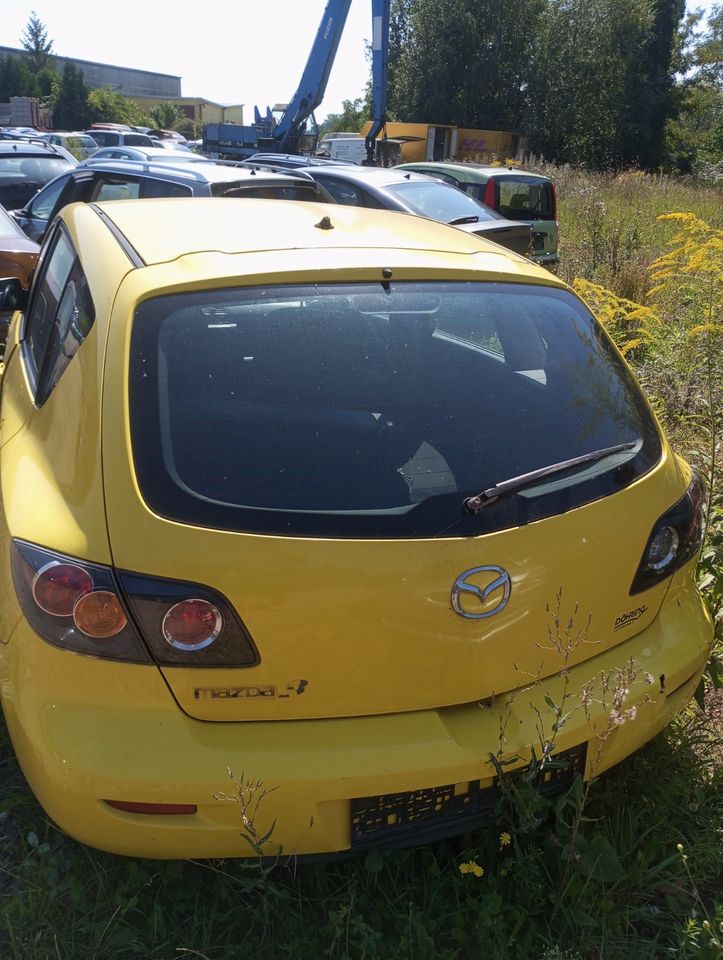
(113,731)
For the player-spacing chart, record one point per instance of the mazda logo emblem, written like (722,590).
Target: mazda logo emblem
(498,587)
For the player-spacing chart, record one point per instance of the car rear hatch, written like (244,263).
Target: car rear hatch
(298,458)
(509,234)
(532,199)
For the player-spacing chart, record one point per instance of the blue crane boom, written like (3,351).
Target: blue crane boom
(233,140)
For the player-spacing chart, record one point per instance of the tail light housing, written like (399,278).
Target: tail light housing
(74,604)
(490,197)
(119,615)
(675,539)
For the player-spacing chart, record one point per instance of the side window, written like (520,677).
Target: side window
(43,206)
(342,192)
(116,188)
(368,200)
(162,188)
(59,318)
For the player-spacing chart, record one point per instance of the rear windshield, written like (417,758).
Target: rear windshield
(242,188)
(439,201)
(526,198)
(355,411)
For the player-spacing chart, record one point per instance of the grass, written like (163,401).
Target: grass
(634,872)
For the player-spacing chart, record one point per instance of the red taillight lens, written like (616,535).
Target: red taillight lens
(165,809)
(490,197)
(57,587)
(192,624)
(99,614)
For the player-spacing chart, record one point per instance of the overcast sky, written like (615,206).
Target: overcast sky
(244,52)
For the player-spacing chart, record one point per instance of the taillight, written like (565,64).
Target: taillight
(187,624)
(93,609)
(74,604)
(676,537)
(192,624)
(490,197)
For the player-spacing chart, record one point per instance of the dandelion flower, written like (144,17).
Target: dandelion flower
(505,839)
(471,867)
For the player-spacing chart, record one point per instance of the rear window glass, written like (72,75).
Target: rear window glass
(438,201)
(525,199)
(242,188)
(353,411)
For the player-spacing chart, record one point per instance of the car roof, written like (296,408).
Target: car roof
(160,231)
(35,147)
(485,171)
(378,176)
(198,171)
(104,153)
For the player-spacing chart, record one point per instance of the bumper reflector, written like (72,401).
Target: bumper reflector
(166,809)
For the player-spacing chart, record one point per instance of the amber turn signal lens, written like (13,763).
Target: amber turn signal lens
(58,586)
(99,614)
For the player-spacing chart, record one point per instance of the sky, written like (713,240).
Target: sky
(251,52)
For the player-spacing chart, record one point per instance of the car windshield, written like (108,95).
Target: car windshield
(22,176)
(526,198)
(439,201)
(362,412)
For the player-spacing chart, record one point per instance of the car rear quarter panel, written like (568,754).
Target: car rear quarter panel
(52,491)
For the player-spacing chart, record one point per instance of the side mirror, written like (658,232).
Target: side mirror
(12,295)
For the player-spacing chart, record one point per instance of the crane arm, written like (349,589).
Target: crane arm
(380,61)
(315,77)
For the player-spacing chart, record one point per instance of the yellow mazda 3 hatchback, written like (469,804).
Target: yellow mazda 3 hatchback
(350,504)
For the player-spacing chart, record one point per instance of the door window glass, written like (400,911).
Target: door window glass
(61,314)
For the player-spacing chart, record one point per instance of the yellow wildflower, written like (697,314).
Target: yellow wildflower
(472,867)
(505,839)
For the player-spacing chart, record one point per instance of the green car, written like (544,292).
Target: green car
(514,193)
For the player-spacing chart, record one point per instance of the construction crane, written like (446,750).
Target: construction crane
(288,133)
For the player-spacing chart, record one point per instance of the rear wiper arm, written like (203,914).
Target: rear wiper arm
(514,484)
(455,223)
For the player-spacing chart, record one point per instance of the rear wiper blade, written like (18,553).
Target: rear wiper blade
(456,223)
(508,487)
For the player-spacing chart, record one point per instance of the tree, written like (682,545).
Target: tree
(71,110)
(36,43)
(351,118)
(15,78)
(708,53)
(166,115)
(108,106)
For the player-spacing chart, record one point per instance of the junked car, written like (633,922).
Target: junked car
(512,192)
(300,494)
(26,166)
(113,178)
(377,188)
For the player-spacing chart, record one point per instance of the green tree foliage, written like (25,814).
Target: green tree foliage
(71,111)
(462,61)
(708,56)
(15,78)
(36,43)
(165,116)
(589,81)
(108,106)
(353,115)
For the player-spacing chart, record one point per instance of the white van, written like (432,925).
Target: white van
(350,149)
